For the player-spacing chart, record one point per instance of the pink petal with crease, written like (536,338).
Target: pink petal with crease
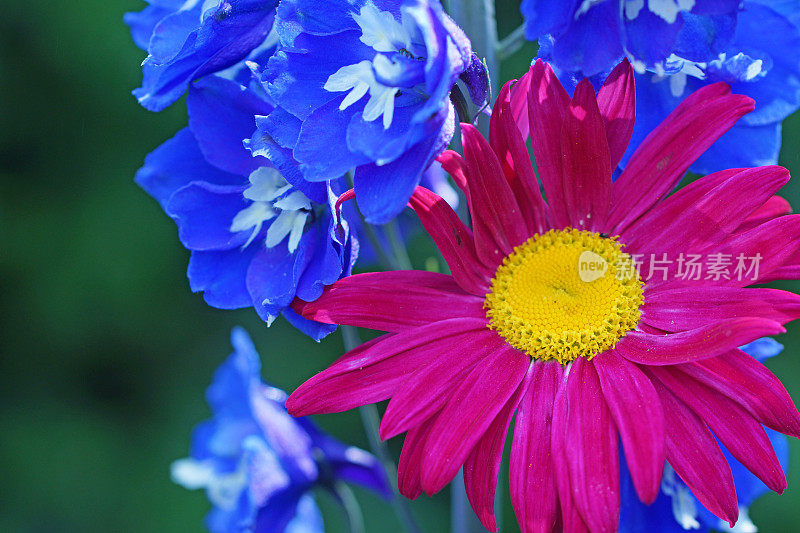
(695,344)
(431,386)
(483,463)
(617,102)
(732,425)
(666,153)
(743,379)
(374,371)
(531,472)
(695,456)
(636,409)
(410,464)
(391,301)
(465,418)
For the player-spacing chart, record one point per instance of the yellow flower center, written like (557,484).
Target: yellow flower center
(565,294)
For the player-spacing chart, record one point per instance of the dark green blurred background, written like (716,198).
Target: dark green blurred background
(105,352)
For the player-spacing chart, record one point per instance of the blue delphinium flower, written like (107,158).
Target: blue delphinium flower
(189,39)
(256,240)
(676,509)
(257,463)
(363,85)
(591,36)
(762,61)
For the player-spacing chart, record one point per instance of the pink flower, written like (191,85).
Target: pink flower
(543,317)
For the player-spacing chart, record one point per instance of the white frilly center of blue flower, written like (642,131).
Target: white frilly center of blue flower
(666,9)
(272,197)
(683,507)
(384,34)
(677,70)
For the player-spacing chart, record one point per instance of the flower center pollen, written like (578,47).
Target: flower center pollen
(565,294)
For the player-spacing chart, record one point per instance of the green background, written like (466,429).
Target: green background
(105,352)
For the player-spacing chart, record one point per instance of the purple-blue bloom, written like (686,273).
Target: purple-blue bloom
(591,36)
(257,463)
(256,238)
(365,86)
(188,39)
(762,62)
(676,510)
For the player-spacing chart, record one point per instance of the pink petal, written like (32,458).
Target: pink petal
(519,103)
(664,156)
(510,147)
(453,239)
(374,371)
(699,343)
(454,164)
(431,386)
(465,418)
(743,379)
(675,204)
(733,426)
(410,464)
(497,220)
(571,519)
(711,217)
(547,105)
(483,463)
(772,208)
(391,301)
(531,472)
(636,409)
(685,308)
(776,241)
(585,165)
(617,102)
(695,456)
(591,449)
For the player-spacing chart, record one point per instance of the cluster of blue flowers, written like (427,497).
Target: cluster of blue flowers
(676,47)
(292,103)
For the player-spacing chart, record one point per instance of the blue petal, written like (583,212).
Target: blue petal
(229,392)
(177,163)
(204,213)
(220,276)
(703,38)
(278,513)
(763,144)
(221,115)
(650,38)
(325,266)
(189,50)
(315,18)
(315,330)
(299,75)
(273,276)
(287,127)
(593,42)
(717,7)
(144,22)
(383,191)
(763,348)
(308,518)
(546,16)
(321,147)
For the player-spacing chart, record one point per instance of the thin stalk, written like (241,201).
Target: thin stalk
(371,422)
(352,510)
(399,252)
(511,43)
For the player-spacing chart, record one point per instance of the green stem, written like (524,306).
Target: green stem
(511,43)
(352,511)
(371,421)
(398,247)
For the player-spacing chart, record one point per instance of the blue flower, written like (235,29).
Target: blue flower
(591,36)
(676,509)
(189,39)
(256,239)
(762,62)
(257,463)
(363,85)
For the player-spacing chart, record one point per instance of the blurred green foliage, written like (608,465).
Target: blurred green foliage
(105,352)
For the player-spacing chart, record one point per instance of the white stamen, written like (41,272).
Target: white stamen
(669,9)
(632,8)
(380,30)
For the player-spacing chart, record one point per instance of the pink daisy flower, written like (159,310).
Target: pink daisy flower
(546,318)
